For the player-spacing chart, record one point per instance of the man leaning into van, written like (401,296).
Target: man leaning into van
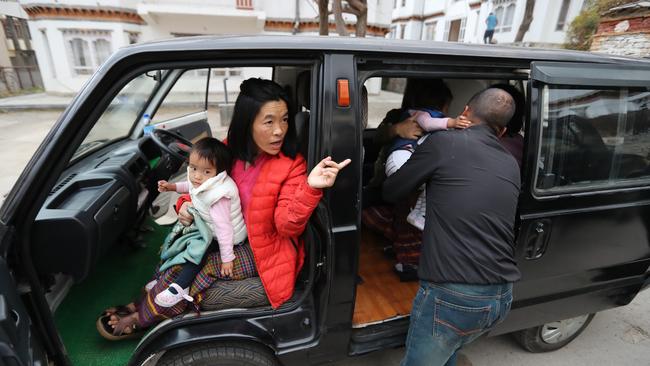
(467,265)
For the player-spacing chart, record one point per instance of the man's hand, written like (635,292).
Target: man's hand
(226,269)
(460,122)
(165,186)
(408,129)
(184,217)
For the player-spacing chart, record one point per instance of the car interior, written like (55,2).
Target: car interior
(96,239)
(382,294)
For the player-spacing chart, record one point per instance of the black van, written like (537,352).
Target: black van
(72,230)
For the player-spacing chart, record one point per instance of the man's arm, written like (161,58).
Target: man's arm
(417,170)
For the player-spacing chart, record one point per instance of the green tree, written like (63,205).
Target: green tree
(584,26)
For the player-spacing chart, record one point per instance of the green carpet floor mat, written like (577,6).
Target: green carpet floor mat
(117,279)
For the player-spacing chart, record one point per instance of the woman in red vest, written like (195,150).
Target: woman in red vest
(277,198)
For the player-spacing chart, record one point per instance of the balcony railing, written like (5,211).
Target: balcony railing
(245,4)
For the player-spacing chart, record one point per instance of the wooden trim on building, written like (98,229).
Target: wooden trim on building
(272,25)
(637,24)
(40,11)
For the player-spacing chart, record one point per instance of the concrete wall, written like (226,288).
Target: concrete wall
(637,44)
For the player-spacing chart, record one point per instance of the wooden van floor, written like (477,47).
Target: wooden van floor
(117,278)
(380,296)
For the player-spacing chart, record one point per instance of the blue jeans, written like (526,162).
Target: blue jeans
(446,316)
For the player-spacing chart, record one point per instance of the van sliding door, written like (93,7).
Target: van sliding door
(583,243)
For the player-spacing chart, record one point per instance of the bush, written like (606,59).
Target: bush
(584,26)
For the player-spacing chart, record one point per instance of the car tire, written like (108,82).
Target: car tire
(220,354)
(552,336)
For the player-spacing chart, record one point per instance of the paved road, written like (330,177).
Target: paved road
(617,337)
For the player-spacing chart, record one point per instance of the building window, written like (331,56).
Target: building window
(132,37)
(561,20)
(403,3)
(430,31)
(505,12)
(402,30)
(87,49)
(394,4)
(461,33)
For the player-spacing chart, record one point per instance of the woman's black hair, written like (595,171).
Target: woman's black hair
(517,120)
(214,151)
(253,94)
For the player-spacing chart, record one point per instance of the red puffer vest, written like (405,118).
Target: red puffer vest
(279,209)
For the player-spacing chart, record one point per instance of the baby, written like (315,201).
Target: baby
(216,199)
(431,106)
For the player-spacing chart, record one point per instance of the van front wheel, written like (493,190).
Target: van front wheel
(554,335)
(219,354)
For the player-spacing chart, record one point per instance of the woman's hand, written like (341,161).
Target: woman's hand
(226,268)
(408,129)
(184,216)
(324,173)
(460,122)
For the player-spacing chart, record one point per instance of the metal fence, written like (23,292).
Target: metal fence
(17,78)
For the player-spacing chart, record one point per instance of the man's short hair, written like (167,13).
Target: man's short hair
(492,106)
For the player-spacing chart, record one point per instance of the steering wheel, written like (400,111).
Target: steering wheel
(175,145)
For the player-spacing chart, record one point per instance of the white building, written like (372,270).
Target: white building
(464,20)
(73,37)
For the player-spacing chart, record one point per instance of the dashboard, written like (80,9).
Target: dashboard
(96,202)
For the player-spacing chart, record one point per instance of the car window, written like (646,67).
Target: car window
(593,138)
(123,111)
(187,96)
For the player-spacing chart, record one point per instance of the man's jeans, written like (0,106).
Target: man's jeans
(445,316)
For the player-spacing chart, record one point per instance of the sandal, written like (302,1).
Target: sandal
(117,333)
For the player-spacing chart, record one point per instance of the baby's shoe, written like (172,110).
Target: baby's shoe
(416,219)
(150,285)
(168,298)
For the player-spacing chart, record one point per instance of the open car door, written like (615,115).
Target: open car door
(583,243)
(19,345)
(180,105)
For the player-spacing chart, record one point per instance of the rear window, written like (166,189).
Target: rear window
(593,139)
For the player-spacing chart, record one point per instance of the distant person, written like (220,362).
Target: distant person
(467,266)
(491,21)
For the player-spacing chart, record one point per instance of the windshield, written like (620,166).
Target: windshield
(118,119)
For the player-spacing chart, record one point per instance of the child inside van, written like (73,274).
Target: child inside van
(216,200)
(430,107)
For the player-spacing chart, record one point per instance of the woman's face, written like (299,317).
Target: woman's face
(270,126)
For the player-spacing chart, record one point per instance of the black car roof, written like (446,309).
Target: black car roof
(370,46)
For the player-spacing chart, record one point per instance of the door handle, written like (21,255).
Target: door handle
(537,240)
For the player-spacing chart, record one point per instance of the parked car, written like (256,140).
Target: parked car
(70,229)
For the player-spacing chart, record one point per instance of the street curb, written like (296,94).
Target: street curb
(37,107)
